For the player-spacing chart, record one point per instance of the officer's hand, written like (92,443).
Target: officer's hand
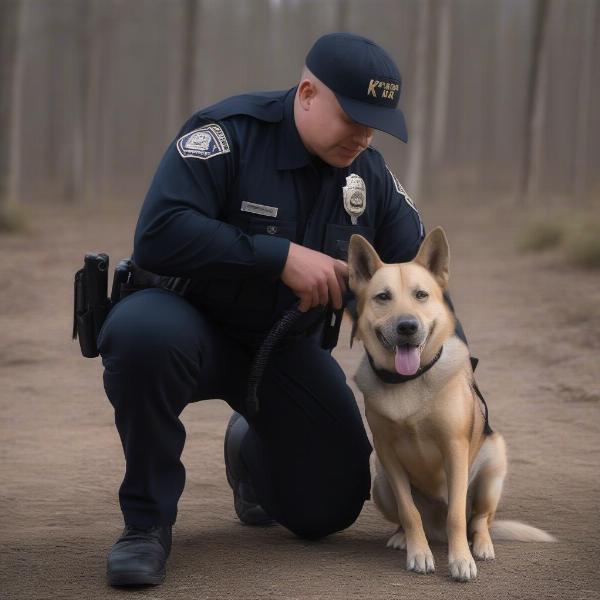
(314,277)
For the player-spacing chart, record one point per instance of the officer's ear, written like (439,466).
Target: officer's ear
(306,93)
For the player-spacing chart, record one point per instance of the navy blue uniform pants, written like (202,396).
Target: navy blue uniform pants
(307,451)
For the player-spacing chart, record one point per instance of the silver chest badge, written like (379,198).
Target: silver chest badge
(355,197)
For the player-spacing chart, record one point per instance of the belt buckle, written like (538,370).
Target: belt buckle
(178,285)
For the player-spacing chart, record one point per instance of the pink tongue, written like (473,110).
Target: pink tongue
(407,360)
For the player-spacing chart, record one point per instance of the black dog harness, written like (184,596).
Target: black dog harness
(390,377)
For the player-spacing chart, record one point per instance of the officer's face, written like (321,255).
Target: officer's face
(324,127)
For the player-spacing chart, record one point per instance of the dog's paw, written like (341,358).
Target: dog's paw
(483,549)
(420,562)
(463,569)
(397,541)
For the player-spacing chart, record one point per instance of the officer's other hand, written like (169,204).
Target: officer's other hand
(314,277)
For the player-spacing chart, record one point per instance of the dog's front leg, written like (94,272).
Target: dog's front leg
(460,561)
(418,554)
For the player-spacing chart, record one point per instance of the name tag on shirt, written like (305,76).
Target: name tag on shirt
(259,209)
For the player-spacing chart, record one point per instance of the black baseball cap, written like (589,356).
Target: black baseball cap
(364,79)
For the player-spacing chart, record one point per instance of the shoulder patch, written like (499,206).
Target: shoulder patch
(203,143)
(401,190)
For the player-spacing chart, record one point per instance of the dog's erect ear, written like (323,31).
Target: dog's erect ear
(434,255)
(363,261)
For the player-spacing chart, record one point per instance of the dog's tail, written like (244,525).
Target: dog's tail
(518,532)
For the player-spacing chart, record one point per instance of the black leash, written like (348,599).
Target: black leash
(283,327)
(274,337)
(324,318)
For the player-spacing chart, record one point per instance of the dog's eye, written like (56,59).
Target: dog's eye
(421,295)
(383,296)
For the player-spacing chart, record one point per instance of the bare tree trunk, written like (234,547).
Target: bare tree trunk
(94,111)
(584,103)
(75,188)
(11,66)
(536,104)
(342,12)
(442,82)
(9,18)
(190,16)
(417,132)
(17,103)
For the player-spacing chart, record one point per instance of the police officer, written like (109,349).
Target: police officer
(253,206)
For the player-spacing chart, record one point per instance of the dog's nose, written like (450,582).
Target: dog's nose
(407,325)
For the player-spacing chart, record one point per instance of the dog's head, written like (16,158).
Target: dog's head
(402,317)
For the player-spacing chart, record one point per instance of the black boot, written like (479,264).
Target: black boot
(139,556)
(246,506)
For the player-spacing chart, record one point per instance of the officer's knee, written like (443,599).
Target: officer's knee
(335,502)
(322,525)
(322,518)
(131,348)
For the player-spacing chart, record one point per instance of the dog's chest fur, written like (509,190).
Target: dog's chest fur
(407,416)
(413,400)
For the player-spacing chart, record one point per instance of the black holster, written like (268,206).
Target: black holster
(91,304)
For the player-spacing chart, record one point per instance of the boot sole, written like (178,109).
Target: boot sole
(228,473)
(133,578)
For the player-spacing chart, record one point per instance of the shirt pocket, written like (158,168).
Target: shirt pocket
(275,227)
(337,238)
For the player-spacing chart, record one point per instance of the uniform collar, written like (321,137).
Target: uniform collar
(292,152)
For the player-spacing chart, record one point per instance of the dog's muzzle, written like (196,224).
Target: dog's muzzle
(403,330)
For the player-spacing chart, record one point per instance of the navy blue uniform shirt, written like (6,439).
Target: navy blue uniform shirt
(237,186)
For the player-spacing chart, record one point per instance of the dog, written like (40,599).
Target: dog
(439,467)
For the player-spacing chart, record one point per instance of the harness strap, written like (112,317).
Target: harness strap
(487,430)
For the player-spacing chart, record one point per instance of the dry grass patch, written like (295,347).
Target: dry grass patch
(12,219)
(541,235)
(578,236)
(587,312)
(582,243)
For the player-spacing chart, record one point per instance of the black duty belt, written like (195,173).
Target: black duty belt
(131,278)
(91,306)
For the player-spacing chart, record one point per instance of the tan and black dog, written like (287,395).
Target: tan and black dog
(439,471)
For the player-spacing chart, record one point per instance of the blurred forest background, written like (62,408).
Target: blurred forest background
(501,96)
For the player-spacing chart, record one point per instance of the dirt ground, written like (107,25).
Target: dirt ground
(533,322)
